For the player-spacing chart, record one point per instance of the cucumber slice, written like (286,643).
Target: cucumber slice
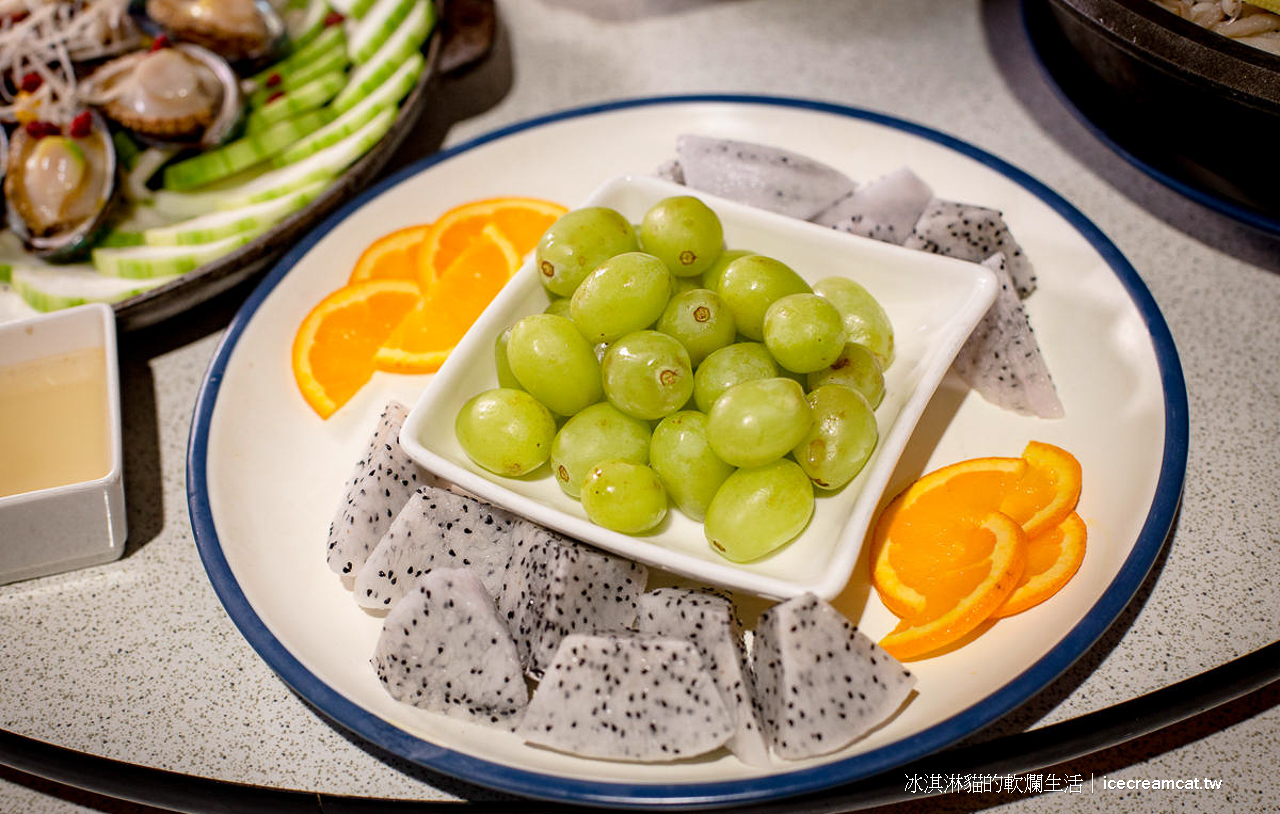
(310,96)
(304,21)
(388,95)
(147,164)
(327,40)
(229,159)
(148,262)
(403,44)
(324,165)
(48,288)
(333,60)
(116,238)
(5,270)
(14,307)
(376,27)
(352,8)
(127,150)
(217,225)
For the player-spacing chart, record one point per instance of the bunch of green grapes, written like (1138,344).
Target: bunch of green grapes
(669,369)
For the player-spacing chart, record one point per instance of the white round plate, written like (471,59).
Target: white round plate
(265,473)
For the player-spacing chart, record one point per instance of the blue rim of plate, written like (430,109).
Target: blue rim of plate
(527,783)
(1088,111)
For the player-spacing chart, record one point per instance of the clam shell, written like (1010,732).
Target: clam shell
(237,30)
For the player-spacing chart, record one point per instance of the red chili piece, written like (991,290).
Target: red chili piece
(31,82)
(333,18)
(81,125)
(275,96)
(159,42)
(39,129)
(273,80)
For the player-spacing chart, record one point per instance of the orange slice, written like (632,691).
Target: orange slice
(1048,492)
(984,567)
(334,347)
(428,332)
(916,534)
(392,256)
(522,220)
(1052,560)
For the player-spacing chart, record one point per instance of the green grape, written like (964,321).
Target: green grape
(759,509)
(505,377)
(749,286)
(700,320)
(855,367)
(722,369)
(600,432)
(624,496)
(647,375)
(623,294)
(578,242)
(679,285)
(711,277)
(558,306)
(555,363)
(508,432)
(803,332)
(685,462)
(865,322)
(758,421)
(843,436)
(684,233)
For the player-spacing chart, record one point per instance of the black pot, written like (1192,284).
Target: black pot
(1192,104)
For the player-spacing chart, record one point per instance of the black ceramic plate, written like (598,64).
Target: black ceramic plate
(1187,125)
(459,38)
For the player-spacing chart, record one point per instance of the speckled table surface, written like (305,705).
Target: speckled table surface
(136,660)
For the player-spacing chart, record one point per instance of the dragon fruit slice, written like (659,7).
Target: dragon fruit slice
(381,484)
(444,648)
(885,209)
(436,529)
(819,682)
(554,586)
(708,620)
(634,697)
(1001,359)
(973,233)
(760,176)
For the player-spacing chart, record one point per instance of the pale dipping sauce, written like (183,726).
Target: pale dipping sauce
(54,422)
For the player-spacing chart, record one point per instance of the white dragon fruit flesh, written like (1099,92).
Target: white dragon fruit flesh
(973,233)
(1001,359)
(819,682)
(436,529)
(554,586)
(444,648)
(708,620)
(380,485)
(760,176)
(885,209)
(627,697)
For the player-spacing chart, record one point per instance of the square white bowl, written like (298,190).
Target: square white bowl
(933,302)
(47,531)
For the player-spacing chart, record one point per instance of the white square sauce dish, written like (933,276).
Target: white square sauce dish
(933,303)
(61,461)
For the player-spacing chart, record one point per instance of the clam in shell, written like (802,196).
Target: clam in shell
(234,29)
(181,95)
(59,185)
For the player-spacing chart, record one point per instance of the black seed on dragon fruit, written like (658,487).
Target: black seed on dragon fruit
(1001,359)
(554,586)
(885,209)
(381,484)
(708,620)
(760,176)
(627,697)
(820,683)
(436,529)
(973,233)
(444,648)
